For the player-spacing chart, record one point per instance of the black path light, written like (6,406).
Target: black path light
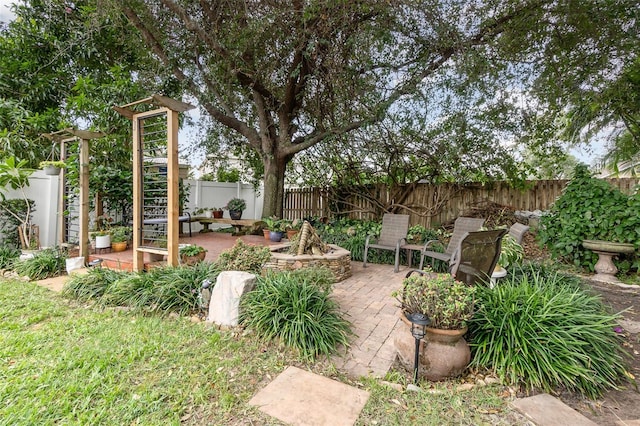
(419,323)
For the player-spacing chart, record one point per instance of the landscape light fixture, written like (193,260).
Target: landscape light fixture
(419,323)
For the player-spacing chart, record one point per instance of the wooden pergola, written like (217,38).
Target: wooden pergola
(64,137)
(142,148)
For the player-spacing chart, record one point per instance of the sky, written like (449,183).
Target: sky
(5,13)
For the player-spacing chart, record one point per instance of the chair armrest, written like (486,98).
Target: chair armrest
(417,271)
(400,244)
(366,242)
(428,244)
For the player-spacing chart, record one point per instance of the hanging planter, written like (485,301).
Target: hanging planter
(52,168)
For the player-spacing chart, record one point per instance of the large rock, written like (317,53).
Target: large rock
(224,307)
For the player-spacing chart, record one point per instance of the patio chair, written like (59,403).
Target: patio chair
(517,231)
(477,255)
(461,226)
(393,234)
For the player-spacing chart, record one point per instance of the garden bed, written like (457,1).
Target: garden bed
(338,260)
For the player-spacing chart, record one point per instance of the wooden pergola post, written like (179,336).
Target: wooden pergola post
(83,137)
(171,108)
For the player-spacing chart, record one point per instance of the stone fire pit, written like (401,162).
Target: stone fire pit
(338,260)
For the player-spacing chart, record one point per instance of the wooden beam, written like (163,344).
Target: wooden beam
(173,177)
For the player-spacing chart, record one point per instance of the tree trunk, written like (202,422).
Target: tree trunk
(274,171)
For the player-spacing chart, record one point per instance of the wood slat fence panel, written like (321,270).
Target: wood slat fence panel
(429,205)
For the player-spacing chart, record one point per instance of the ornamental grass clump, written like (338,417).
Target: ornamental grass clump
(293,308)
(160,290)
(539,330)
(44,264)
(448,303)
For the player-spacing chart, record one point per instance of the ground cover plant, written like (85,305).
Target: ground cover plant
(44,264)
(295,308)
(539,329)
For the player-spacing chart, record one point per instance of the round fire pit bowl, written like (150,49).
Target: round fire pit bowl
(338,260)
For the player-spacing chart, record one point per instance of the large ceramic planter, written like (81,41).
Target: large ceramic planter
(235,214)
(444,354)
(103,241)
(606,250)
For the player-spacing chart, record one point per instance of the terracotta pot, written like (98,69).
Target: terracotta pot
(444,354)
(192,260)
(217,214)
(119,246)
(291,233)
(266,233)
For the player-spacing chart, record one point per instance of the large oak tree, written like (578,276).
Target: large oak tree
(288,75)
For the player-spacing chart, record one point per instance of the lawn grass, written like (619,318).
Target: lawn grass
(63,363)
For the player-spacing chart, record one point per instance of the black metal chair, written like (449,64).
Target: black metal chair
(476,256)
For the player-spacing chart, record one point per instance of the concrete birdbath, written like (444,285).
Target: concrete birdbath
(606,250)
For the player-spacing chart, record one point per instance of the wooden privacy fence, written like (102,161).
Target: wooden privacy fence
(427,204)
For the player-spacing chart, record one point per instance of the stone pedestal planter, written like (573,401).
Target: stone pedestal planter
(605,268)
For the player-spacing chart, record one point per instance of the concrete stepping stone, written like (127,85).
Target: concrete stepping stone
(298,398)
(545,410)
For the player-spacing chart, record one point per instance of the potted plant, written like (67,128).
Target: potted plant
(192,254)
(293,227)
(52,168)
(217,212)
(202,211)
(448,304)
(236,207)
(102,233)
(277,228)
(120,236)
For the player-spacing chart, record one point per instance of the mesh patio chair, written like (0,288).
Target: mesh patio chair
(477,255)
(517,231)
(393,234)
(461,226)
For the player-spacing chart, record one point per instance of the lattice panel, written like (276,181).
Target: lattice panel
(153,137)
(70,200)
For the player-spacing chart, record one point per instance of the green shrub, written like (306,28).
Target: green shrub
(540,330)
(243,257)
(92,285)
(589,208)
(160,290)
(44,264)
(294,309)
(8,255)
